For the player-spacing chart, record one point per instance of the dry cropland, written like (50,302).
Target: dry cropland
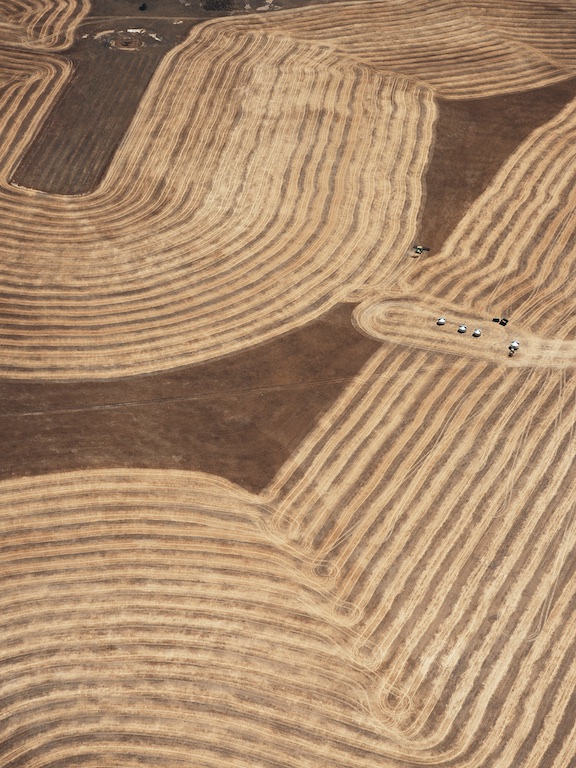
(258,509)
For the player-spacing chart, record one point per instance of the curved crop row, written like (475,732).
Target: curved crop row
(263,179)
(29,83)
(549,28)
(148,616)
(439,44)
(251,193)
(510,253)
(428,498)
(41,24)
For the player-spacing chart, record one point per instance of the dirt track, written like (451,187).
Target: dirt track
(411,323)
(401,591)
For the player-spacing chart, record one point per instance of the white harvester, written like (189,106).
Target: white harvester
(514,345)
(477,332)
(461,329)
(441,321)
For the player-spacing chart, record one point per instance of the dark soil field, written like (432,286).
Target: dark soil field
(273,394)
(239,417)
(74,147)
(473,139)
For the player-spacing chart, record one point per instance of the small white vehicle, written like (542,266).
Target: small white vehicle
(514,345)
(441,321)
(461,329)
(477,332)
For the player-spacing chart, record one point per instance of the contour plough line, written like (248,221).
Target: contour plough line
(549,28)
(445,46)
(434,610)
(526,211)
(251,193)
(87,556)
(41,24)
(235,610)
(202,242)
(402,592)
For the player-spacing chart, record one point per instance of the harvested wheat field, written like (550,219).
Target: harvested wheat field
(278,488)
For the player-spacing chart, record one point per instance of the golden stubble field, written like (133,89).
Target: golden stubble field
(402,592)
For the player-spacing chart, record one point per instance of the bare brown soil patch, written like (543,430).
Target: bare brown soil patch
(127,43)
(473,138)
(239,417)
(73,148)
(509,255)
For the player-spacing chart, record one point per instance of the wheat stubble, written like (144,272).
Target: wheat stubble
(401,593)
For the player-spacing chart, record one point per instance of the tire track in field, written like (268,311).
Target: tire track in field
(236,208)
(171,629)
(405,569)
(402,593)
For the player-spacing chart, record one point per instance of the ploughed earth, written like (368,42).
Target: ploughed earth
(239,417)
